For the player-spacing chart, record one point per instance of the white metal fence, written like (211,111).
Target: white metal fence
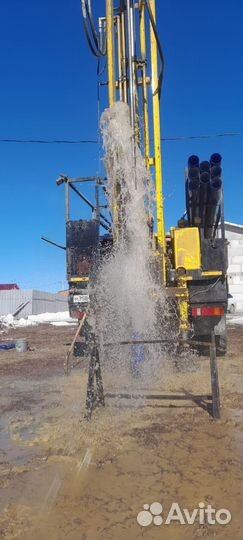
(38,302)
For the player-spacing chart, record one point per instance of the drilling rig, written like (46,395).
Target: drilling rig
(191,257)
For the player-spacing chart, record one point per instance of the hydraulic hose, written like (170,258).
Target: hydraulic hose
(161,54)
(93,37)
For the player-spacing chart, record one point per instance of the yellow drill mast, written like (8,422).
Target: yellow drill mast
(133,77)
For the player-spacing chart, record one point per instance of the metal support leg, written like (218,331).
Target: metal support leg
(99,382)
(90,399)
(214,379)
(95,395)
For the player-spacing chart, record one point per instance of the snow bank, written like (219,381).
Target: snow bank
(236,320)
(61,318)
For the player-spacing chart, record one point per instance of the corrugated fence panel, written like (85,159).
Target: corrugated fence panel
(11,300)
(44,302)
(39,302)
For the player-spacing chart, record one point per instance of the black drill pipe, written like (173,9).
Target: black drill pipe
(204,166)
(215,159)
(193,161)
(203,195)
(193,200)
(213,208)
(215,171)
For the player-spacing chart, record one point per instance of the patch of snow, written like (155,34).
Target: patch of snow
(63,323)
(61,318)
(236,320)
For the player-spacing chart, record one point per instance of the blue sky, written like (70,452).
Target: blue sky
(48,91)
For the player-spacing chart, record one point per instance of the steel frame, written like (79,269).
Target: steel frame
(214,397)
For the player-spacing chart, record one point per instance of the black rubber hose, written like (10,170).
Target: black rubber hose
(92,47)
(91,21)
(161,54)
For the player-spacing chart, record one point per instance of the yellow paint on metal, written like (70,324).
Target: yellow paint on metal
(212,273)
(146,130)
(112,89)
(79,279)
(187,248)
(152,162)
(123,56)
(183,308)
(110,51)
(145,89)
(183,303)
(119,52)
(157,136)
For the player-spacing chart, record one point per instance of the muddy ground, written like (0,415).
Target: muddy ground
(62,478)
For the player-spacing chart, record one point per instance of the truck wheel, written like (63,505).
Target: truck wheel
(221,345)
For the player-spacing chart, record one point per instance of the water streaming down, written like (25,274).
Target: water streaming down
(128,298)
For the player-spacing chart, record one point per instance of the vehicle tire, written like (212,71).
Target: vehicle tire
(232,308)
(221,345)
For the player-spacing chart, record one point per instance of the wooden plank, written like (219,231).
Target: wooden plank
(70,351)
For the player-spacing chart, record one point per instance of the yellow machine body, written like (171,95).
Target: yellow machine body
(187,250)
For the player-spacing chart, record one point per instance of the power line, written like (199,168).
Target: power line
(94,141)
(212,136)
(48,141)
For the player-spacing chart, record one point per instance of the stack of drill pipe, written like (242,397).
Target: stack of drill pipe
(203,193)
(212,216)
